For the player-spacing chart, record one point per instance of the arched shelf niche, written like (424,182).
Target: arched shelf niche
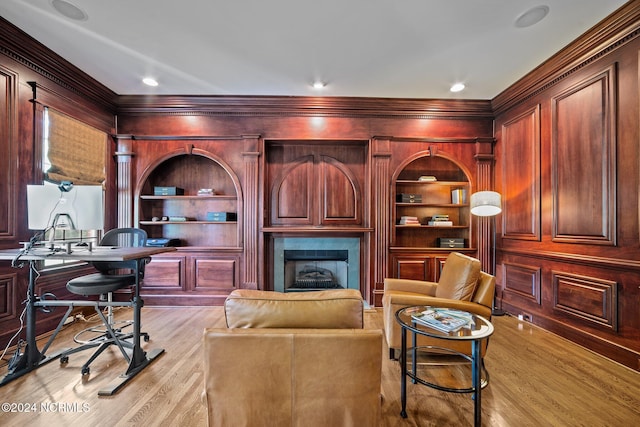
(195,219)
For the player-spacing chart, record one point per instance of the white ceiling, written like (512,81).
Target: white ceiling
(370,48)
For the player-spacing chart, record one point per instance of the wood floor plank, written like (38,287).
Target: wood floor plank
(536,379)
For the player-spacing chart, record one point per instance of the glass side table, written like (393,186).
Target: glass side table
(477,329)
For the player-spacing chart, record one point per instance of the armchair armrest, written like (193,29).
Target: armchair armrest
(407,285)
(397,300)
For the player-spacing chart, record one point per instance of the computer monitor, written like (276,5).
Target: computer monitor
(79,207)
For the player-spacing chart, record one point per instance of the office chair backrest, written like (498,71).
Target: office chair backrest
(121,237)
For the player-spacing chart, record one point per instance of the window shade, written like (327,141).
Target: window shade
(76,151)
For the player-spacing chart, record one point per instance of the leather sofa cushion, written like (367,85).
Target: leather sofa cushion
(331,309)
(459,277)
(293,377)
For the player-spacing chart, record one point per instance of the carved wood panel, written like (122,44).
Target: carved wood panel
(584,161)
(215,274)
(521,176)
(341,193)
(8,289)
(8,152)
(522,281)
(413,268)
(588,298)
(165,272)
(293,193)
(315,184)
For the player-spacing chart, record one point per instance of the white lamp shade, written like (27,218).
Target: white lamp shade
(486,203)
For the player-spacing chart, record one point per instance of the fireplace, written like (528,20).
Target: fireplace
(316,263)
(315,269)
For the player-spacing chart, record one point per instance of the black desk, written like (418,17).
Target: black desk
(33,357)
(478,330)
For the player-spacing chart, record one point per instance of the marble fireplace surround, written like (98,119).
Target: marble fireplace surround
(282,244)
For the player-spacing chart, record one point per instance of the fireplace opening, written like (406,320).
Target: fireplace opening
(310,257)
(308,270)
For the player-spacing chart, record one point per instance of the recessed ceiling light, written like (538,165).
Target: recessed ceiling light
(318,84)
(532,16)
(69,10)
(150,81)
(457,87)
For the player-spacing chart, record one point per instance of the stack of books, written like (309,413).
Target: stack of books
(206,192)
(409,220)
(441,220)
(443,319)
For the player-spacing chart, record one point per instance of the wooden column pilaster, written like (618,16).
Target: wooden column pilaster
(485,161)
(381,203)
(124,185)
(251,207)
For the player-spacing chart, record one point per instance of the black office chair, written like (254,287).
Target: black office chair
(111,276)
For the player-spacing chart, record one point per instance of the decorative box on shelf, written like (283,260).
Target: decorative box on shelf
(451,242)
(222,216)
(408,198)
(168,191)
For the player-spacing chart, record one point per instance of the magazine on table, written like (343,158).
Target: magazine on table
(443,319)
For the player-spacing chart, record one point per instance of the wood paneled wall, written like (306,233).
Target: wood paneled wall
(32,77)
(566,161)
(567,164)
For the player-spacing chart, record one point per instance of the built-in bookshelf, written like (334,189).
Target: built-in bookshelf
(431,203)
(195,217)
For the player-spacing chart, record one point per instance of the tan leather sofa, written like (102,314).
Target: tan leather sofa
(293,359)
(462,286)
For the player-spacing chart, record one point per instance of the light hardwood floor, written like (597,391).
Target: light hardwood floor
(537,379)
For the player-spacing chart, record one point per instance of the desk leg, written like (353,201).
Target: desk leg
(139,359)
(476,381)
(32,357)
(403,373)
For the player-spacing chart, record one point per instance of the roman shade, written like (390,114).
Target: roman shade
(76,151)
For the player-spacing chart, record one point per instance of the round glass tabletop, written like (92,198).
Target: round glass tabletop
(445,323)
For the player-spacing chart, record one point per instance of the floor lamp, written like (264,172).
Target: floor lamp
(489,203)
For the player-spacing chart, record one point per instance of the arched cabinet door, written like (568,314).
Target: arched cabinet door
(314,189)
(341,199)
(292,194)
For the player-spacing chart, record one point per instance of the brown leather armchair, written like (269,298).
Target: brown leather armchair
(462,286)
(293,359)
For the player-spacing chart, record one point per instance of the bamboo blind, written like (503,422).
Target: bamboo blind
(76,152)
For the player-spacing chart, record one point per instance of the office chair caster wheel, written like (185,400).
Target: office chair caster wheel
(146,337)
(64,360)
(85,370)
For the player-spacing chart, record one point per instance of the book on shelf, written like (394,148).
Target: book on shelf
(409,220)
(206,192)
(458,196)
(440,220)
(443,319)
(441,223)
(440,217)
(427,178)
